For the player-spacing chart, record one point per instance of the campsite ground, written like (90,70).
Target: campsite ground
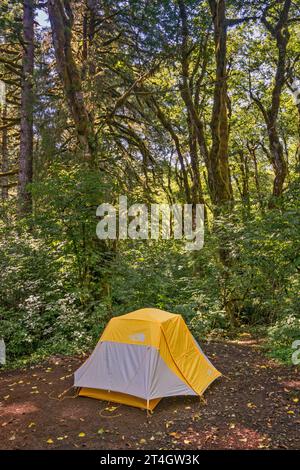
(255,405)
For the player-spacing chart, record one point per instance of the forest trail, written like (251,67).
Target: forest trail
(255,405)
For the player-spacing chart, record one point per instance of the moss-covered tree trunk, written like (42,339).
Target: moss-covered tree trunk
(279,32)
(61,19)
(4,153)
(221,190)
(26,126)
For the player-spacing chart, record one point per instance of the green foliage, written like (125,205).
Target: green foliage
(59,289)
(51,275)
(40,307)
(263,281)
(59,283)
(281,337)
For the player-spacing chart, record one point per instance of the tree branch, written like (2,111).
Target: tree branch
(235,21)
(9,173)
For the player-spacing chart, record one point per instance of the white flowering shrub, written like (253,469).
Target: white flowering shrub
(40,310)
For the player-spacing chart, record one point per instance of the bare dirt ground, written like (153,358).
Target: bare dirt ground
(255,405)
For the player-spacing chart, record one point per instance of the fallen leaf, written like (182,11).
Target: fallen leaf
(81,434)
(169,423)
(251,405)
(111,408)
(196,417)
(101,431)
(30,425)
(49,441)
(143,441)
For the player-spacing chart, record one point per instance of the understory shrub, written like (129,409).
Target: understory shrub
(60,284)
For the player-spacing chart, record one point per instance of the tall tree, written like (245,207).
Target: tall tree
(218,156)
(62,20)
(4,152)
(279,32)
(26,126)
(190,96)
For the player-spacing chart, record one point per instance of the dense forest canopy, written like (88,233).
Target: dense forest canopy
(184,101)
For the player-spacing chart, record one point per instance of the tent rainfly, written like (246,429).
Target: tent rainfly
(142,357)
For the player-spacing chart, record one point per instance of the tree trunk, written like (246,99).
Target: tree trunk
(278,162)
(244,168)
(26,126)
(92,13)
(88,34)
(84,67)
(195,125)
(281,34)
(252,152)
(276,148)
(196,191)
(61,19)
(4,145)
(221,185)
(168,126)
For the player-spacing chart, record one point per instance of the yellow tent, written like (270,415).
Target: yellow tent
(144,356)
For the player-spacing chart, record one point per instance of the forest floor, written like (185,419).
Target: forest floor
(254,405)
